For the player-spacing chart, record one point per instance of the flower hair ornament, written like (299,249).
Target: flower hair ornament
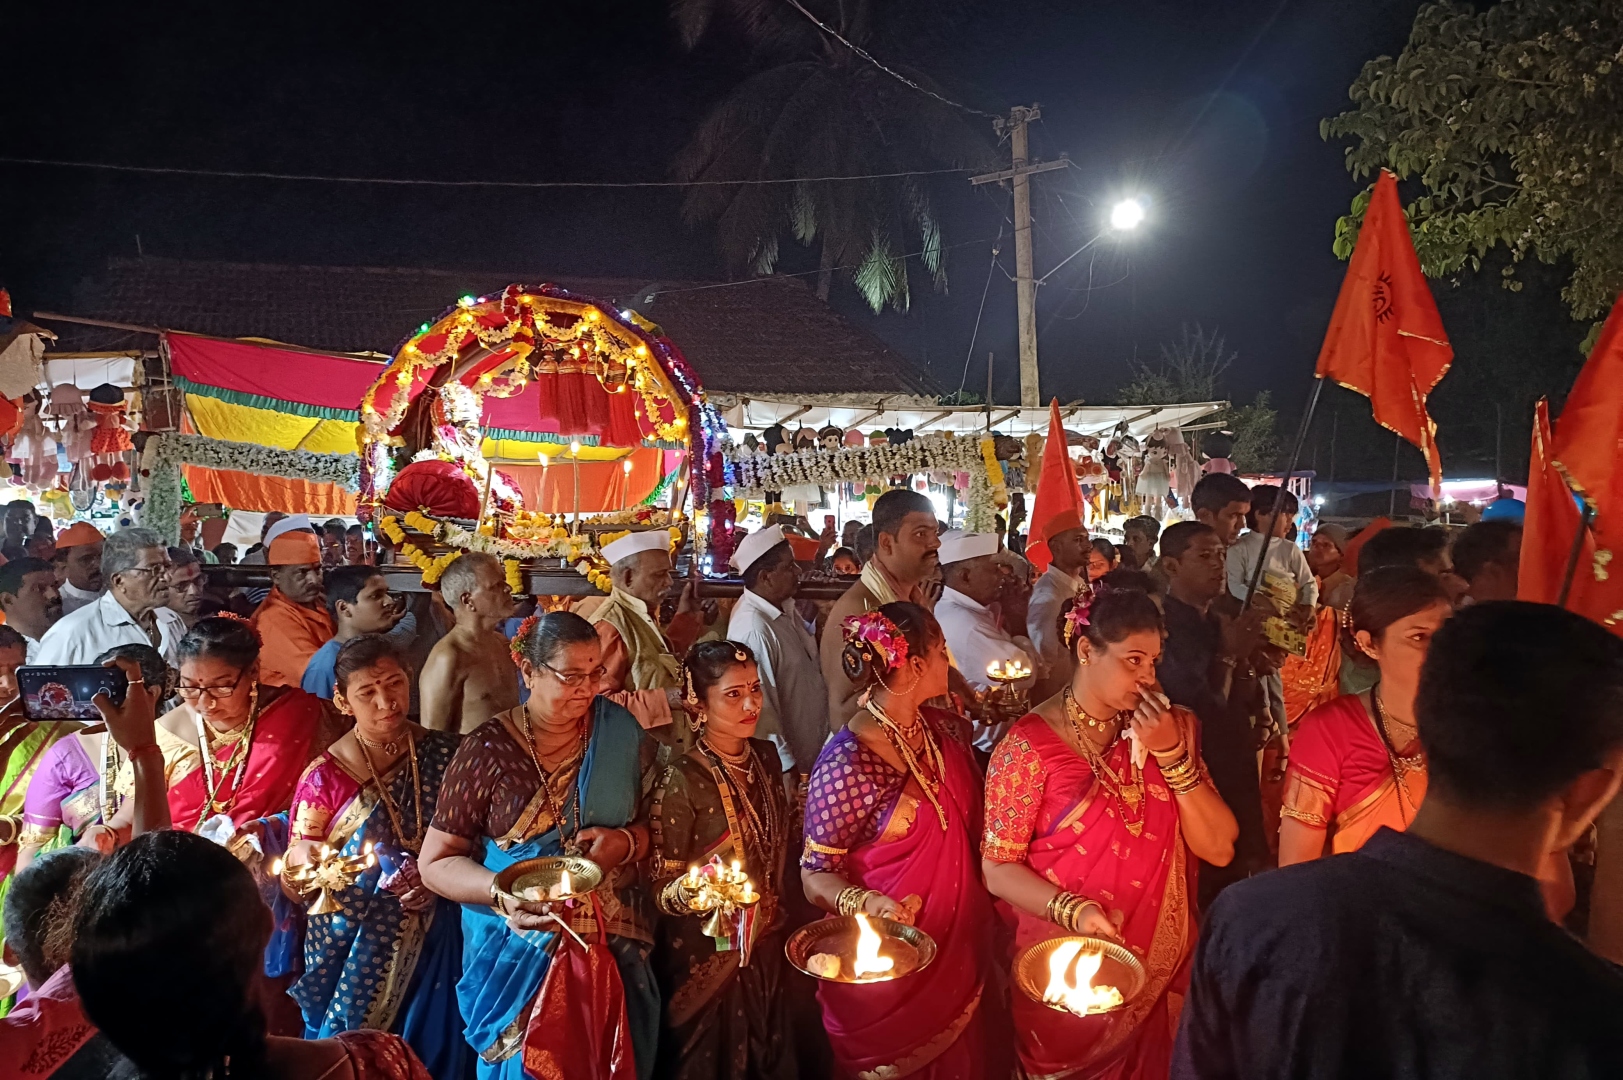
(1077,617)
(525,628)
(242,621)
(877,636)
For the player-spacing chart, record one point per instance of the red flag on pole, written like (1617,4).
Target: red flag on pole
(1386,340)
(1058,505)
(1579,457)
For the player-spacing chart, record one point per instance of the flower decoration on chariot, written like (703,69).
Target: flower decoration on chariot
(883,637)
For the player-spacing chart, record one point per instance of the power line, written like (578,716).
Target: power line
(976,333)
(898,76)
(397,182)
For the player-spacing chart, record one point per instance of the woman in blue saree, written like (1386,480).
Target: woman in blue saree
(563,772)
(389,958)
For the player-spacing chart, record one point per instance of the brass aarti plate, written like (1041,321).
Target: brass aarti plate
(532,880)
(909,948)
(1118,967)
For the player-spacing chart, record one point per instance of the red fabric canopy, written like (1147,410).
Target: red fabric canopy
(329,382)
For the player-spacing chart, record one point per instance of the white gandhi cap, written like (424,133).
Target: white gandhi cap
(956,546)
(290,523)
(755,545)
(632,543)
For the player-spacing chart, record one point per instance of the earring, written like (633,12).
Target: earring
(699,722)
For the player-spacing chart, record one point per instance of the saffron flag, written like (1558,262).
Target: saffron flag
(1386,340)
(1579,457)
(1058,504)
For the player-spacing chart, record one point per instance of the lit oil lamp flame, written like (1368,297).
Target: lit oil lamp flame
(868,960)
(1078,995)
(1011,670)
(565,886)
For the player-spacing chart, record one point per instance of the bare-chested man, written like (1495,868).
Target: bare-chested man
(470,677)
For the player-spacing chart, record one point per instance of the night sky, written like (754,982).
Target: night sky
(1210,111)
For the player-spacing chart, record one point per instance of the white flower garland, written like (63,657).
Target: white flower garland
(752,475)
(166,452)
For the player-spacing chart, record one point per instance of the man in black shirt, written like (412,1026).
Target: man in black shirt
(1428,954)
(1204,668)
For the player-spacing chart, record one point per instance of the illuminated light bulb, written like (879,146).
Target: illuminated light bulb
(593,314)
(466,301)
(626,465)
(1127,214)
(574,447)
(868,960)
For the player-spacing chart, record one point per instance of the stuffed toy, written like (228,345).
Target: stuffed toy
(67,404)
(111,439)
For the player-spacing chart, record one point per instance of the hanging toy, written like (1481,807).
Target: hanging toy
(67,404)
(111,439)
(33,450)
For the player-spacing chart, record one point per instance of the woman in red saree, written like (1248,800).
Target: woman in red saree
(1356,763)
(892,811)
(1095,802)
(258,738)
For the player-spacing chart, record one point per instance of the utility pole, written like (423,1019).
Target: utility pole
(1025,281)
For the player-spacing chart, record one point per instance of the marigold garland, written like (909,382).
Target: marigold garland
(994,473)
(432,567)
(515,576)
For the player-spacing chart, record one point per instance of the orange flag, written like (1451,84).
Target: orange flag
(1386,340)
(1579,456)
(1058,505)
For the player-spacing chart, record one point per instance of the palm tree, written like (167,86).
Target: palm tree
(816,108)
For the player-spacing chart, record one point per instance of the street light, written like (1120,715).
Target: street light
(1127,214)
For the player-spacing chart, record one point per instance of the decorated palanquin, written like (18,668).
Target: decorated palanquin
(526,364)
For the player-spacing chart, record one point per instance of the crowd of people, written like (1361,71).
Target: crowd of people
(1208,715)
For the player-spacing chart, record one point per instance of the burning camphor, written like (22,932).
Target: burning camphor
(1078,995)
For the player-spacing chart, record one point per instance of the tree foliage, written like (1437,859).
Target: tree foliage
(815,108)
(1512,119)
(1191,369)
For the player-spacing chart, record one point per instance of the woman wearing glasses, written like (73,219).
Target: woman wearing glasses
(561,773)
(232,754)
(388,957)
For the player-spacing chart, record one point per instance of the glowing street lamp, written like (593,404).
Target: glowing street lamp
(1126,215)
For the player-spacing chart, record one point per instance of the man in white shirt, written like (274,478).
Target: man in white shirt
(794,698)
(135,565)
(1068,548)
(30,600)
(972,578)
(78,551)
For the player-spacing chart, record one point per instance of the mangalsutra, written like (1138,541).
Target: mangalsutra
(391,747)
(242,746)
(546,778)
(1127,788)
(413,842)
(761,825)
(932,753)
(1402,764)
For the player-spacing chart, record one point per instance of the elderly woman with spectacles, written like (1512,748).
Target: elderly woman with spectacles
(562,773)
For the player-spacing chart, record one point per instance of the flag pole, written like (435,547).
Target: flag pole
(1577,549)
(1268,529)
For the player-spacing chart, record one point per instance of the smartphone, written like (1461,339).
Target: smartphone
(67,693)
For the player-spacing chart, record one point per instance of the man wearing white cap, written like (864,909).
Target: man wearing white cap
(972,577)
(637,655)
(794,698)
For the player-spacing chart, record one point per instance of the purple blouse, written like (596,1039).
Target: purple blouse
(62,790)
(849,798)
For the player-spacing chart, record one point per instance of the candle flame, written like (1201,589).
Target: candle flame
(1078,995)
(868,961)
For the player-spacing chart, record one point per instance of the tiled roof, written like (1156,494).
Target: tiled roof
(770,335)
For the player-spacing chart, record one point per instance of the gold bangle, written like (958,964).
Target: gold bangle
(12,826)
(852,899)
(1186,781)
(1171,755)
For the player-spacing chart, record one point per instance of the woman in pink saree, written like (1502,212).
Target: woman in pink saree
(1095,803)
(892,814)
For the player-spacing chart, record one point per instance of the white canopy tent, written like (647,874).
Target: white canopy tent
(754,413)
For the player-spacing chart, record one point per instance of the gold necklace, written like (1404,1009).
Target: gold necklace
(1107,728)
(391,747)
(1402,764)
(762,831)
(1126,789)
(546,778)
(414,842)
(932,752)
(243,745)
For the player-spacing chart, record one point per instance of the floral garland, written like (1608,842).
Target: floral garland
(752,475)
(432,567)
(514,575)
(557,543)
(166,452)
(994,473)
(596,570)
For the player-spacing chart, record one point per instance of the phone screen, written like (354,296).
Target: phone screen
(67,693)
